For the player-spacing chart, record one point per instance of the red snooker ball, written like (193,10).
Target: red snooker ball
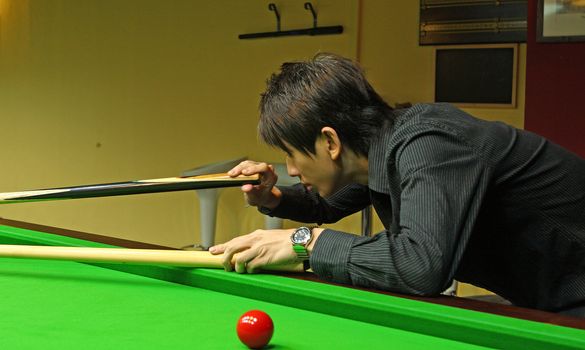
(255,329)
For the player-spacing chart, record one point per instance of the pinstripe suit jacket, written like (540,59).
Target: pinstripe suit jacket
(460,198)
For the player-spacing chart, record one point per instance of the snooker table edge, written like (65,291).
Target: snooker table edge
(426,318)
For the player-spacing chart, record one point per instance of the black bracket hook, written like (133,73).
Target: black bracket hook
(309,6)
(294,32)
(272,7)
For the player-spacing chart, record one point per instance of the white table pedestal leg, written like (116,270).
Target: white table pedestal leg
(208,215)
(272,223)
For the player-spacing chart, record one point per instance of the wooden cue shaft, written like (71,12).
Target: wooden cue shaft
(130,187)
(125,256)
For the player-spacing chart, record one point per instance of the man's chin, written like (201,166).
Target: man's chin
(323,193)
(327,192)
(311,188)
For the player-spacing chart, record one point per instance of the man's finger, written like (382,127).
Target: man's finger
(242,260)
(217,249)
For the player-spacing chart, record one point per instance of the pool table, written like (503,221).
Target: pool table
(71,305)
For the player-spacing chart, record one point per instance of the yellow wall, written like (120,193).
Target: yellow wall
(94,91)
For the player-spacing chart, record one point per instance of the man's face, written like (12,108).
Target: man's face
(317,171)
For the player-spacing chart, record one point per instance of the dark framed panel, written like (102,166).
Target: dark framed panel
(560,21)
(472,21)
(477,75)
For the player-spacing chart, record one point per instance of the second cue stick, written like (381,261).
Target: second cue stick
(130,187)
(126,256)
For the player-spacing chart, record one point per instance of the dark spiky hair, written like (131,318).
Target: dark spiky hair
(328,90)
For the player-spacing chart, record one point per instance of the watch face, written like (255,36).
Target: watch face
(301,236)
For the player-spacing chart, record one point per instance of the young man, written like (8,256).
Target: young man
(460,198)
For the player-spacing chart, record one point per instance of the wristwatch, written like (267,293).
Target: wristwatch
(300,238)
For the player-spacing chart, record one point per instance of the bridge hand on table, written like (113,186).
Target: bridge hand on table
(259,249)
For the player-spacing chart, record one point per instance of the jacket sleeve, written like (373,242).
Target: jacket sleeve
(301,205)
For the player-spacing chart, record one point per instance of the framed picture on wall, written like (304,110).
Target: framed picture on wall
(476,75)
(560,21)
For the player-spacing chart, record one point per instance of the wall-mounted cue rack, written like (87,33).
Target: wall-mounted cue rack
(315,30)
(472,21)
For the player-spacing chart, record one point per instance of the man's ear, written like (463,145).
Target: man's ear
(333,143)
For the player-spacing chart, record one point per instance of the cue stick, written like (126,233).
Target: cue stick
(130,187)
(126,256)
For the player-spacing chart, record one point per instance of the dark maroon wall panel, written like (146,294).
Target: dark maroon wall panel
(555,89)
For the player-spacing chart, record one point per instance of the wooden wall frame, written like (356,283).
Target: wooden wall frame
(554,24)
